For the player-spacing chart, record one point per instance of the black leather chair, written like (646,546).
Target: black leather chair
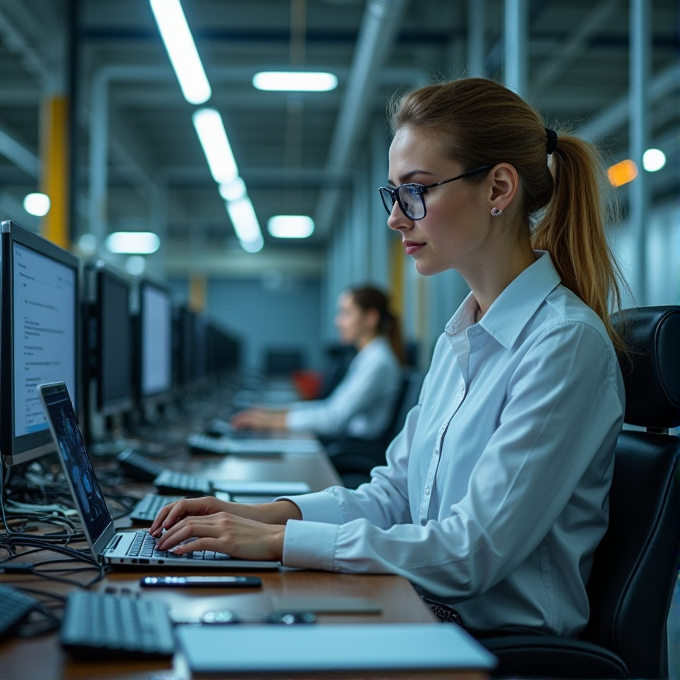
(635,567)
(354,459)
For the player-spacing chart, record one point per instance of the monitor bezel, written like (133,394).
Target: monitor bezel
(165,395)
(27,447)
(125,404)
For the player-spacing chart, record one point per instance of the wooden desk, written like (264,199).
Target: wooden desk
(42,658)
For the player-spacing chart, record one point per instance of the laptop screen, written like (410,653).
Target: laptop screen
(87,493)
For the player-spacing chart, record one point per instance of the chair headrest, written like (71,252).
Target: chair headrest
(652,372)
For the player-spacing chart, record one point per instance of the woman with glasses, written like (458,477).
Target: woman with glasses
(495,494)
(362,404)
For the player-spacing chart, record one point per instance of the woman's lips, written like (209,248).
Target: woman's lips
(412,247)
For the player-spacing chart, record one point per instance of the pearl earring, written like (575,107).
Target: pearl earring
(496,211)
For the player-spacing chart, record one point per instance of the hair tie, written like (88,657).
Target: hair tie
(552,140)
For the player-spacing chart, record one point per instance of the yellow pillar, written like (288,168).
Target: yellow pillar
(198,292)
(55,170)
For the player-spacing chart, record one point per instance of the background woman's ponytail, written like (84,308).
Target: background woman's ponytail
(368,297)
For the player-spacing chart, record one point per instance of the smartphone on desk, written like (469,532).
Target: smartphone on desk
(200,582)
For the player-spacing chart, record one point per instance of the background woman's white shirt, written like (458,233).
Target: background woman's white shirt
(362,404)
(495,494)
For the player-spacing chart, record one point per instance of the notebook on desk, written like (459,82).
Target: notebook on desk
(334,648)
(133,548)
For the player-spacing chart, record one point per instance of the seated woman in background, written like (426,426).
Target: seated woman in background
(361,405)
(495,493)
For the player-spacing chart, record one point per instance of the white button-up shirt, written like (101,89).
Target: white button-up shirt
(495,494)
(362,404)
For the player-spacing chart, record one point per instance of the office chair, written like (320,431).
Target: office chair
(635,566)
(353,458)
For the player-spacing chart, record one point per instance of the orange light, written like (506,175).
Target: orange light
(622,173)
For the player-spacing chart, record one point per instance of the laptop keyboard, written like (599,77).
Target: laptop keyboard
(105,625)
(182,482)
(144,546)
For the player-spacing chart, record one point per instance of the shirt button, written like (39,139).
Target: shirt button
(449,331)
(462,389)
(427,490)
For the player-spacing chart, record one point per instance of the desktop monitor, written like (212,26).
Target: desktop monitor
(154,342)
(111,342)
(186,350)
(39,337)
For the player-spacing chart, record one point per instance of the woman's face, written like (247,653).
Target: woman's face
(454,229)
(354,325)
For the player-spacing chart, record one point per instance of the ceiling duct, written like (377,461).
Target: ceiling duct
(376,36)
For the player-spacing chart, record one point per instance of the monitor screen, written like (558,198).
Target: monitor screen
(39,336)
(156,340)
(115,392)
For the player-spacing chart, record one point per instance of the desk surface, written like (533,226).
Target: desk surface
(43,657)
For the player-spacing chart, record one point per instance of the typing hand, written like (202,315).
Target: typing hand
(259,419)
(225,533)
(172,513)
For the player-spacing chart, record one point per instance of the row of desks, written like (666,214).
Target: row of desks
(43,657)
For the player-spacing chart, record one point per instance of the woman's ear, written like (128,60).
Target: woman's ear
(505,184)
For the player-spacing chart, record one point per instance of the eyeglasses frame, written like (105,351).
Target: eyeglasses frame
(420,189)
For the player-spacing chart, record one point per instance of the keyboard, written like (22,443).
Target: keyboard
(110,626)
(203,443)
(144,546)
(147,508)
(14,607)
(170,481)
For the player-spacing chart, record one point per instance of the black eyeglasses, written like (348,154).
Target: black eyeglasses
(410,196)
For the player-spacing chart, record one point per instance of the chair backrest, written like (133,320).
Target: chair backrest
(411,384)
(635,566)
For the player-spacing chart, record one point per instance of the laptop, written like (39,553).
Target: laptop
(128,548)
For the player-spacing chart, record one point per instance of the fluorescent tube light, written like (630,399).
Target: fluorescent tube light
(133,242)
(233,190)
(299,81)
(37,204)
(290,226)
(213,138)
(653,160)
(245,223)
(181,49)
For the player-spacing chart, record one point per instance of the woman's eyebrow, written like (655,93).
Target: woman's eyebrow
(404,179)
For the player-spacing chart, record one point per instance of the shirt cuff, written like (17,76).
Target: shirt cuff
(298,419)
(309,545)
(321,506)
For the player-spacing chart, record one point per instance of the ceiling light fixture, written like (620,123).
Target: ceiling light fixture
(246,226)
(181,49)
(37,204)
(295,81)
(216,147)
(233,190)
(290,226)
(133,242)
(653,160)
(622,173)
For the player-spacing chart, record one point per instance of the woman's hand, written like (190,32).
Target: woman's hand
(259,419)
(263,513)
(225,533)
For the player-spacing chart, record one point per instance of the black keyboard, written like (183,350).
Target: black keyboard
(109,626)
(147,508)
(170,481)
(14,606)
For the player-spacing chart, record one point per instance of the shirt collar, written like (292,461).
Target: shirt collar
(513,308)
